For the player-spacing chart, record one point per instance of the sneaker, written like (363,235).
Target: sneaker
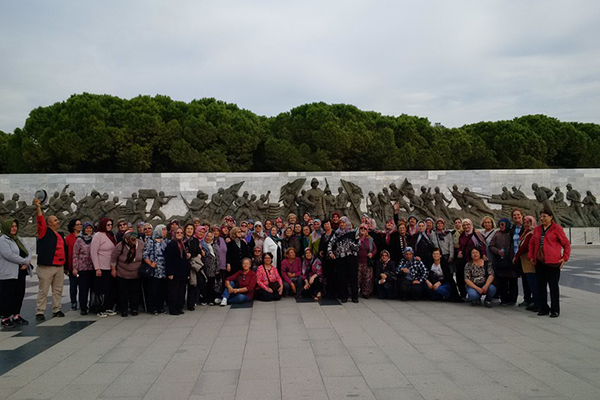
(554,314)
(7,324)
(134,312)
(58,314)
(155,313)
(83,312)
(40,317)
(542,313)
(525,303)
(223,302)
(74,306)
(203,304)
(20,321)
(217,301)
(488,304)
(110,313)
(102,315)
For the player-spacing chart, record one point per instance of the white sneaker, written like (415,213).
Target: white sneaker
(217,301)
(223,302)
(203,304)
(110,313)
(102,315)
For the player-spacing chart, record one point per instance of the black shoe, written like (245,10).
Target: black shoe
(134,312)
(536,310)
(83,312)
(59,314)
(344,300)
(7,324)
(488,304)
(74,306)
(355,300)
(554,314)
(191,308)
(173,313)
(543,313)
(529,308)
(123,314)
(20,321)
(181,312)
(155,313)
(40,317)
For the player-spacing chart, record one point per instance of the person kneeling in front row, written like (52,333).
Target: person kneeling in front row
(239,287)
(479,278)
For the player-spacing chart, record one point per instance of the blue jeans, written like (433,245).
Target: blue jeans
(474,296)
(235,298)
(442,292)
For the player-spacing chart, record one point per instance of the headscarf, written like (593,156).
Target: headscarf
(507,222)
(472,228)
(432,223)
(179,242)
(199,228)
(441,234)
(157,232)
(87,238)
(532,220)
(315,234)
(6,226)
(409,229)
(102,228)
(407,249)
(132,249)
(348,228)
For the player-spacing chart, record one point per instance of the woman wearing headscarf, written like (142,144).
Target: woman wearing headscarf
(411,275)
(125,263)
(386,276)
(312,271)
(527,266)
(422,244)
(210,269)
(467,241)
(154,255)
(141,231)
(83,268)
(488,231)
(328,262)
(193,236)
(366,251)
(14,268)
(272,245)
(256,260)
(221,246)
(290,240)
(258,235)
(506,275)
(343,248)
(314,239)
(178,272)
(441,239)
(101,248)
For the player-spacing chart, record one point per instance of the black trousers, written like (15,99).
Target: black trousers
(85,281)
(330,278)
(176,295)
(73,287)
(106,285)
(347,275)
(460,276)
(157,293)
(408,291)
(263,295)
(508,288)
(12,292)
(130,291)
(548,277)
(313,289)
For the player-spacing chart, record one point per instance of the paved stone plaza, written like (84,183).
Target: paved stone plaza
(288,350)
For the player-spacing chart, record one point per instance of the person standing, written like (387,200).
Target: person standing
(51,250)
(343,248)
(83,268)
(549,250)
(125,262)
(74,229)
(101,249)
(14,268)
(178,272)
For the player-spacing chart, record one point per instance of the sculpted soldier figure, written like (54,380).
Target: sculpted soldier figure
(159,200)
(458,196)
(11,205)
(341,201)
(215,205)
(559,198)
(589,204)
(476,202)
(387,207)
(374,207)
(304,204)
(262,206)
(140,208)
(314,197)
(244,211)
(397,195)
(543,195)
(329,201)
(4,212)
(111,208)
(427,201)
(517,194)
(440,203)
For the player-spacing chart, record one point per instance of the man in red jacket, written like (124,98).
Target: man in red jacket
(549,250)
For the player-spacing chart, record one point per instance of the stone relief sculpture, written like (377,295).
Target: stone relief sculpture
(147,204)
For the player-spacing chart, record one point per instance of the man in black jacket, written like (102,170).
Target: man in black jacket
(51,250)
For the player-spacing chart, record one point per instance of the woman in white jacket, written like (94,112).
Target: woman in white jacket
(14,267)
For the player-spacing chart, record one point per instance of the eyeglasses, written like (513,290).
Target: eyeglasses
(122,224)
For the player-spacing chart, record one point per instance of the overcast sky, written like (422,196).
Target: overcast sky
(454,62)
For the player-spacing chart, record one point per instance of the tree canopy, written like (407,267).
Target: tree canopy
(103,133)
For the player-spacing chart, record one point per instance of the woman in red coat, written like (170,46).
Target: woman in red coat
(549,250)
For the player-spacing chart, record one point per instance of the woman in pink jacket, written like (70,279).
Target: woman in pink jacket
(101,250)
(549,250)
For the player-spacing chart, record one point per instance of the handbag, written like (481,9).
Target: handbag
(146,271)
(274,286)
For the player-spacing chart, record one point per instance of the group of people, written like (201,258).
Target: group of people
(170,268)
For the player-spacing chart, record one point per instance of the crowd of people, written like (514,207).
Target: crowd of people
(124,269)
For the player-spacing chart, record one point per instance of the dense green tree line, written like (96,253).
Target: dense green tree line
(102,133)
